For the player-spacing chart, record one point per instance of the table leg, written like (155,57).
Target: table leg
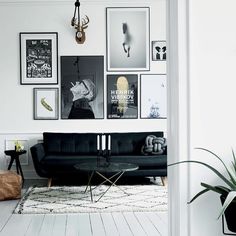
(113,183)
(10,164)
(89,184)
(18,166)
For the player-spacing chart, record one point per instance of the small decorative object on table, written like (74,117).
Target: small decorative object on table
(18,146)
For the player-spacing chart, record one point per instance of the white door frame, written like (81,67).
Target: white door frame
(178,128)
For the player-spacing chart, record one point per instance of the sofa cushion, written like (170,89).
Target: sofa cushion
(78,143)
(130,143)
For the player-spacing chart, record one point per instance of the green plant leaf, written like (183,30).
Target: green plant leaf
(198,194)
(230,197)
(234,162)
(217,189)
(233,178)
(231,185)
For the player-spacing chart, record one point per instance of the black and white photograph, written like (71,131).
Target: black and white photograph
(46,103)
(159,50)
(128,38)
(153,96)
(38,57)
(122,96)
(82,87)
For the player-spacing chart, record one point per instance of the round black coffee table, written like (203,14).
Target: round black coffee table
(104,167)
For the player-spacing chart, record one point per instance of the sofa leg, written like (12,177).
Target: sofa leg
(49,182)
(164,180)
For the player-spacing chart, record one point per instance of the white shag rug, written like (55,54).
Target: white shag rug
(43,200)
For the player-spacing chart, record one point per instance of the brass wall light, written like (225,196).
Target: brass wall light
(79,24)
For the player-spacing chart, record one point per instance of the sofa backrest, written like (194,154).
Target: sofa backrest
(130,143)
(74,143)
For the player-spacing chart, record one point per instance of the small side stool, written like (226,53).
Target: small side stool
(15,157)
(10,185)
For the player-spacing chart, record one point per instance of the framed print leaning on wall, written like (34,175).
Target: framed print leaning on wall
(38,58)
(122,96)
(128,38)
(46,103)
(153,96)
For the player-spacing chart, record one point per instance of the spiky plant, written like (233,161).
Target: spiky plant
(229,192)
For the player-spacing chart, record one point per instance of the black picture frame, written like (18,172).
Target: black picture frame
(38,58)
(122,96)
(128,38)
(82,69)
(159,50)
(153,96)
(46,103)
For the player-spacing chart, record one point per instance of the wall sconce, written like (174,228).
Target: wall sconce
(79,24)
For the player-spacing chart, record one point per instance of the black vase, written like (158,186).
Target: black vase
(230,214)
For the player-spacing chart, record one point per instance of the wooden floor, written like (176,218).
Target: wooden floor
(82,224)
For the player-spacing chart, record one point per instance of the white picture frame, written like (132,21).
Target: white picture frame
(128,37)
(46,104)
(153,100)
(159,50)
(38,58)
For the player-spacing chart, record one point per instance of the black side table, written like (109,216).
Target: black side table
(15,156)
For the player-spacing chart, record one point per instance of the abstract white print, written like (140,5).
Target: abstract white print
(127,39)
(153,96)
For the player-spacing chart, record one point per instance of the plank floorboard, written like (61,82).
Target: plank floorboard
(146,224)
(134,224)
(158,223)
(121,224)
(35,225)
(72,225)
(97,224)
(47,225)
(17,224)
(109,224)
(84,224)
(59,227)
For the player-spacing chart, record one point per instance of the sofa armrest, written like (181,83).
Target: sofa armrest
(37,152)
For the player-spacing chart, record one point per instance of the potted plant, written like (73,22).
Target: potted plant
(227,193)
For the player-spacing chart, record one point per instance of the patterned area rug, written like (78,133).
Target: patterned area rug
(43,200)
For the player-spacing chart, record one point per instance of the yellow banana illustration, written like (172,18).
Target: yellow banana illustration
(44,103)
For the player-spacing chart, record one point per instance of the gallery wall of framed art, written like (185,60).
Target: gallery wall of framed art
(36,48)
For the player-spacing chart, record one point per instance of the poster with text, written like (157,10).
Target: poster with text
(122,96)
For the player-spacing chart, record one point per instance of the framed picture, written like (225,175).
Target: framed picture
(153,96)
(38,58)
(82,87)
(128,38)
(45,103)
(159,50)
(122,96)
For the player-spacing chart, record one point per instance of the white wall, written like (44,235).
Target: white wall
(212,102)
(16,107)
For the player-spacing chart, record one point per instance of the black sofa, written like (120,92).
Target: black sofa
(59,152)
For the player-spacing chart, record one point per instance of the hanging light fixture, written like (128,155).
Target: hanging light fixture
(79,24)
